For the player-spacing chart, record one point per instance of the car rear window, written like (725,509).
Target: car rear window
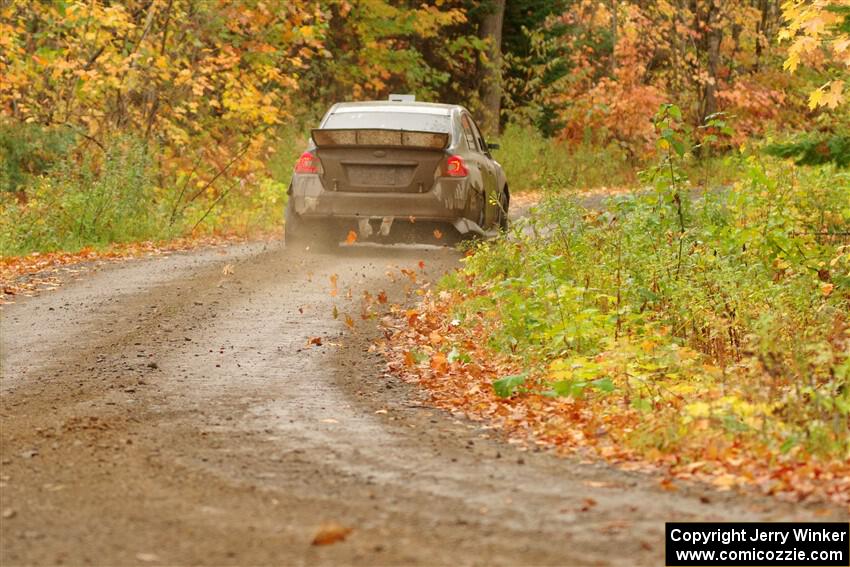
(391,120)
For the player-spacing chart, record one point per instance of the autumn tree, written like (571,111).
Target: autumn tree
(819,29)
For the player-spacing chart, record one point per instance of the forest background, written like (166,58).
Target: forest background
(151,119)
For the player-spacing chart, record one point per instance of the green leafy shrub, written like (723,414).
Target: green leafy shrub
(30,150)
(814,150)
(727,308)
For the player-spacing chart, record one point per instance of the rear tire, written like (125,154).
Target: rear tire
(504,201)
(291,225)
(299,233)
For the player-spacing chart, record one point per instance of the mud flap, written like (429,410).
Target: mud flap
(364,226)
(464,226)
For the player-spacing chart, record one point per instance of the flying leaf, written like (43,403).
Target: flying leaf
(410,274)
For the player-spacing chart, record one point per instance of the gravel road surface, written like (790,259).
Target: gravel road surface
(170,411)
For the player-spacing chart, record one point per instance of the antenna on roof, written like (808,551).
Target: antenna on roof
(402,98)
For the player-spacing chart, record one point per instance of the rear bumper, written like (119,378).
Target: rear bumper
(448,200)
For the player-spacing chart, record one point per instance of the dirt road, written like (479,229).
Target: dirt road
(169,411)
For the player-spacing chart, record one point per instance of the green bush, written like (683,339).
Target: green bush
(30,150)
(96,199)
(814,149)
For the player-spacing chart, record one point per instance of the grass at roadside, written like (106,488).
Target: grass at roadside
(533,162)
(709,337)
(60,194)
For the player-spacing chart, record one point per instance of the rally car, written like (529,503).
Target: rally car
(373,166)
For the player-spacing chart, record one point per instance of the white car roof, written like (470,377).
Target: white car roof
(400,108)
(386,106)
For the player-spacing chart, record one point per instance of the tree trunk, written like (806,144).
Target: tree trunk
(715,35)
(614,32)
(491,84)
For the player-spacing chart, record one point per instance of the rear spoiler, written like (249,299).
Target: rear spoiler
(380,138)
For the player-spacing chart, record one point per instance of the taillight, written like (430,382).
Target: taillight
(307,163)
(455,167)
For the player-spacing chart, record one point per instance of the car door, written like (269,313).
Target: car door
(483,166)
(488,171)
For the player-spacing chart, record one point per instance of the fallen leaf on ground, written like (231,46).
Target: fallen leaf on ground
(351,238)
(331,532)
(314,341)
(725,482)
(409,359)
(439,362)
(412,315)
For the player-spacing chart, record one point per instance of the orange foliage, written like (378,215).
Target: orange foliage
(620,107)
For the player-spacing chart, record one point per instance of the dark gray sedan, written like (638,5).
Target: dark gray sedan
(384,167)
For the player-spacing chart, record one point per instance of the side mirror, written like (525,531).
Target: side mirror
(493,146)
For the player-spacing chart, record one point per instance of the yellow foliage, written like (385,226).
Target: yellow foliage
(812,25)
